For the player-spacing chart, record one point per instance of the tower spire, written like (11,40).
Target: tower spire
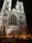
(7,4)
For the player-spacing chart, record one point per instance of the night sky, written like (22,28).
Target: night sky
(27,9)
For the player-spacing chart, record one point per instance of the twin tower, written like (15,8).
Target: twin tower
(14,16)
(18,11)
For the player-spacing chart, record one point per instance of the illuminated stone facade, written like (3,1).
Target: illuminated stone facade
(11,19)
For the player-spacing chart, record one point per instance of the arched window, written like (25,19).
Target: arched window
(5,14)
(13,20)
(20,21)
(5,18)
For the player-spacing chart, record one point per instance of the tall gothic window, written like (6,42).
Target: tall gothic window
(13,20)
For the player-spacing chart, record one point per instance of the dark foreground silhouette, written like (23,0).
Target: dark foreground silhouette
(14,40)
